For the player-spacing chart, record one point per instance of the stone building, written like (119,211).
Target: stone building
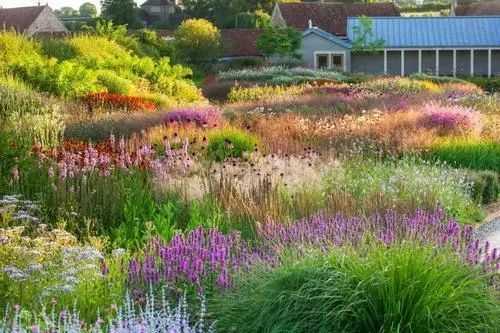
(38,20)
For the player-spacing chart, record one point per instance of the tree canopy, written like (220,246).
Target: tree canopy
(121,12)
(197,42)
(279,41)
(88,9)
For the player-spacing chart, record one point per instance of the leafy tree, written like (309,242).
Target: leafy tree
(88,9)
(281,41)
(364,40)
(67,12)
(121,12)
(225,13)
(262,19)
(197,42)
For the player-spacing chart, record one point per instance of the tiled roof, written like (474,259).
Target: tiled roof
(478,9)
(240,42)
(433,32)
(331,17)
(19,18)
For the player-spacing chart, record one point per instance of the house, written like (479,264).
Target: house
(159,10)
(457,45)
(38,20)
(330,17)
(484,8)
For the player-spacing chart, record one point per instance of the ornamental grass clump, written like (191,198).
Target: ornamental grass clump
(364,187)
(469,153)
(406,288)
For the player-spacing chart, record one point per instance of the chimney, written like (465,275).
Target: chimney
(310,24)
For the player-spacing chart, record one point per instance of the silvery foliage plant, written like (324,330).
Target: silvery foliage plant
(156,316)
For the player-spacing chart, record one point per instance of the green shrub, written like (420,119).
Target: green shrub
(293,75)
(491,84)
(467,153)
(83,64)
(486,186)
(229,142)
(401,289)
(16,48)
(113,83)
(57,48)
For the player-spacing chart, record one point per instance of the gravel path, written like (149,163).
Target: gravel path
(490,232)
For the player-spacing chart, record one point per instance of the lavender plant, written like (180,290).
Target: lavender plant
(207,258)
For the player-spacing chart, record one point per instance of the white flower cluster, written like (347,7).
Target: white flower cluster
(12,207)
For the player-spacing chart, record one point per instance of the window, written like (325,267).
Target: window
(338,61)
(330,60)
(322,61)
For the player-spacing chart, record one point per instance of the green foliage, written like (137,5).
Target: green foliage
(257,93)
(404,185)
(224,13)
(229,142)
(87,9)
(467,153)
(486,188)
(197,42)
(30,118)
(364,40)
(113,83)
(489,84)
(76,66)
(57,48)
(279,41)
(401,289)
(280,75)
(15,48)
(121,12)
(36,269)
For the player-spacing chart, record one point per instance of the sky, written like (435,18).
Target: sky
(54,4)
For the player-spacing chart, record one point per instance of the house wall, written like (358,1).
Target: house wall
(370,63)
(495,63)
(481,62)
(393,63)
(46,22)
(463,62)
(446,62)
(313,43)
(373,63)
(411,62)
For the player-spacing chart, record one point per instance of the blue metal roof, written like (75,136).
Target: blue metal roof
(433,32)
(332,38)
